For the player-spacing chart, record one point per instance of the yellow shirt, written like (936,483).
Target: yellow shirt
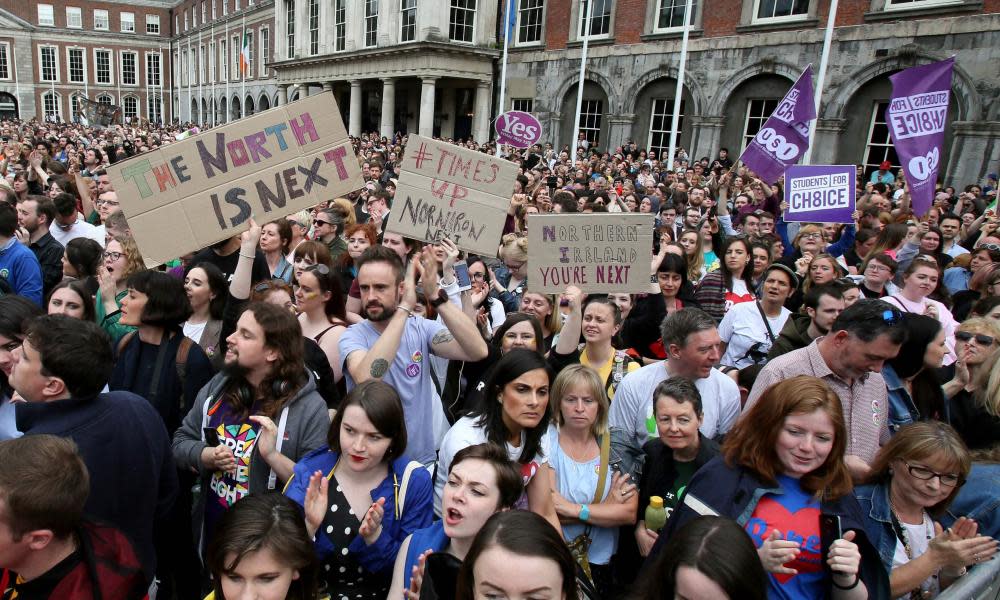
(605,370)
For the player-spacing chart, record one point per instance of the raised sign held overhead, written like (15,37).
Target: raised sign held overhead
(605,252)
(820,194)
(201,190)
(449,191)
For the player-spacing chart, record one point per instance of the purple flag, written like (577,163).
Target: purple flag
(785,136)
(916,116)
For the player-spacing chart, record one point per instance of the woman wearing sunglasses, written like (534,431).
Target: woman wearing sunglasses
(914,478)
(974,392)
(320,302)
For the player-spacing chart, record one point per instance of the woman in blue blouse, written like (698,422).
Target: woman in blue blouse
(360,495)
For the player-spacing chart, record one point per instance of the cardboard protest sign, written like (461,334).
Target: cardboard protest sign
(820,194)
(204,189)
(604,252)
(449,191)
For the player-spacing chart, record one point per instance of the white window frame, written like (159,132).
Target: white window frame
(74,102)
(265,50)
(204,12)
(522,104)
(878,115)
(463,9)
(202,64)
(111,66)
(673,3)
(339,25)
(237,47)
(215,9)
(105,96)
(153,108)
(41,64)
(223,60)
(890,5)
(187,20)
(177,24)
(69,63)
(755,19)
(667,114)
(125,114)
(290,28)
(150,82)
(46,15)
(107,20)
(408,6)
(225,7)
(152,21)
(581,6)
(764,114)
(123,21)
(121,67)
(312,18)
(253,53)
(74,17)
(213,61)
(370,24)
(58,101)
(522,12)
(584,114)
(5,63)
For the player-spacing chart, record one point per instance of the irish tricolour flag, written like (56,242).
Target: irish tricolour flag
(245,53)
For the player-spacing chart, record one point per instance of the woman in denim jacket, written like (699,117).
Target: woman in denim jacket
(913,479)
(911,377)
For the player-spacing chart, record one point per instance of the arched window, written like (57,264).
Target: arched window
(51,106)
(130,109)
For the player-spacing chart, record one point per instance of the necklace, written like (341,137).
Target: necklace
(919,592)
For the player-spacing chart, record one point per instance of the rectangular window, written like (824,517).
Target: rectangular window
(130,108)
(591,112)
(102,66)
(529,21)
(50,70)
(906,4)
(215,8)
(177,23)
(660,120)
(204,12)
(76,68)
(463,20)
(236,57)
(153,70)
(153,24)
(128,22)
(340,25)
(50,106)
(236,5)
(212,62)
(313,27)
(223,61)
(879,147)
(758,111)
(600,18)
(250,54)
(201,64)
(780,10)
(522,104)
(225,7)
(187,20)
(74,106)
(153,108)
(670,14)
(408,20)
(74,17)
(265,50)
(4,61)
(101,20)
(128,68)
(371,23)
(290,28)
(46,15)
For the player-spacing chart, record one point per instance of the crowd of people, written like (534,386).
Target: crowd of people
(320,407)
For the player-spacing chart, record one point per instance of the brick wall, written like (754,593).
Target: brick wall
(629,18)
(557,23)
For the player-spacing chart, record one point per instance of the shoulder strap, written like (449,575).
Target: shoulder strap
(181,360)
(896,301)
(406,484)
(123,342)
(767,324)
(602,474)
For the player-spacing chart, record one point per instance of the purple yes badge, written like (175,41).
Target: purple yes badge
(517,128)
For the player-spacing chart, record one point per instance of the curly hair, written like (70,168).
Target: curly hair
(133,257)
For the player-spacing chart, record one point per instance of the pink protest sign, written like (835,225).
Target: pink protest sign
(518,129)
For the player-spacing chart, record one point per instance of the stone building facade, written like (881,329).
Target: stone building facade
(53,53)
(743,56)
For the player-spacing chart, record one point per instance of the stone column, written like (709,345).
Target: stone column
(826,145)
(425,126)
(481,120)
(282,95)
(354,128)
(448,112)
(388,122)
(706,136)
(619,129)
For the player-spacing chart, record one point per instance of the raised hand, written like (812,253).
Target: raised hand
(417,577)
(371,525)
(316,502)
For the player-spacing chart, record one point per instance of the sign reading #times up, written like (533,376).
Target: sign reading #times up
(449,191)
(205,188)
(603,252)
(820,194)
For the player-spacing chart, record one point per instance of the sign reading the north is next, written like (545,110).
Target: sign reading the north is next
(446,191)
(606,252)
(204,189)
(517,128)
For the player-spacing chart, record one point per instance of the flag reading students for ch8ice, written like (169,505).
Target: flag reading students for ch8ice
(916,115)
(783,139)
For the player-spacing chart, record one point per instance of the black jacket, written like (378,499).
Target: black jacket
(660,470)
(49,253)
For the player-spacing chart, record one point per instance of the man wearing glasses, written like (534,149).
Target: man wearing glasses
(68,225)
(849,359)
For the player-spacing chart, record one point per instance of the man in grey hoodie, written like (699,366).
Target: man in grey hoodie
(256,418)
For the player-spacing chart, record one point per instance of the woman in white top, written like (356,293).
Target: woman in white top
(515,415)
(920,279)
(206,289)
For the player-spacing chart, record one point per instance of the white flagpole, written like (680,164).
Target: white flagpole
(243,93)
(675,120)
(583,71)
(212,60)
(225,65)
(503,68)
(190,75)
(821,79)
(201,90)
(159,98)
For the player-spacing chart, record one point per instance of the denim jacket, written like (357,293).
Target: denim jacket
(874,501)
(902,410)
(978,499)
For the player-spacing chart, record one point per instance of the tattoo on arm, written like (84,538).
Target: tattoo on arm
(379,367)
(442,337)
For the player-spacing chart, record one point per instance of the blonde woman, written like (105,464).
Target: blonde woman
(121,259)
(509,284)
(974,393)
(692,243)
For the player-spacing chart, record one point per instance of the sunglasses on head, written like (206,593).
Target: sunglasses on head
(318,268)
(990,247)
(891,316)
(982,340)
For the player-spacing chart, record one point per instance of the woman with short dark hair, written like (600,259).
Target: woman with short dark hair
(377,498)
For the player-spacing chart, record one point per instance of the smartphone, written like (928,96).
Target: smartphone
(211,437)
(462,275)
(551,182)
(829,531)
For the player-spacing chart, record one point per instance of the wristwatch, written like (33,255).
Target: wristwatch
(584,513)
(442,297)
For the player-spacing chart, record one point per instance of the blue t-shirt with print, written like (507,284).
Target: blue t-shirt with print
(795,514)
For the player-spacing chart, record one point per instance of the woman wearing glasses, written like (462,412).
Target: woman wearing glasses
(121,260)
(877,272)
(509,285)
(920,280)
(914,478)
(974,392)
